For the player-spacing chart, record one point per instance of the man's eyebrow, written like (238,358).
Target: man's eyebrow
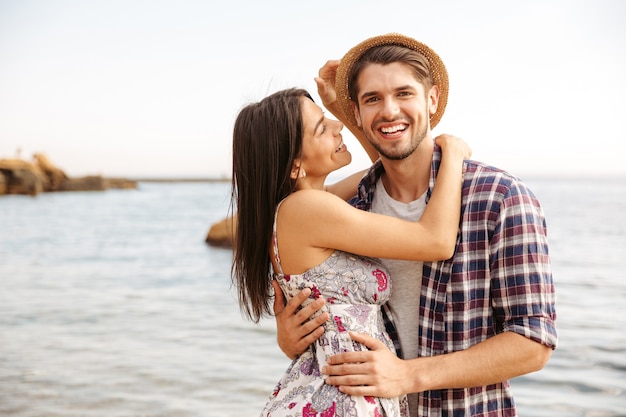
(373,93)
(367,94)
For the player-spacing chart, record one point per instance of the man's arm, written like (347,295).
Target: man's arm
(378,372)
(295,332)
(525,344)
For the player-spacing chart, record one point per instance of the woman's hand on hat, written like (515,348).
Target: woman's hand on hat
(326,86)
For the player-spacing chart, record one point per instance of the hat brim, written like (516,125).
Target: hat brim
(436,66)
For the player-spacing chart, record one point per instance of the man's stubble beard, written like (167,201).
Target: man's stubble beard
(416,140)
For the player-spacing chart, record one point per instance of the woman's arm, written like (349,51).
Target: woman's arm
(442,214)
(314,219)
(346,188)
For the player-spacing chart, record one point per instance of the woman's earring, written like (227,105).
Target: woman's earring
(303,174)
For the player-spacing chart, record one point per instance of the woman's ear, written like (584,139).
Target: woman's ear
(295,170)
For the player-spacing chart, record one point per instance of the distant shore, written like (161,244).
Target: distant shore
(181,179)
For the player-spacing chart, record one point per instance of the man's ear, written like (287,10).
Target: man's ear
(433,99)
(357,116)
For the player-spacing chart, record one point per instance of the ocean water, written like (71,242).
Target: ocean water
(111,304)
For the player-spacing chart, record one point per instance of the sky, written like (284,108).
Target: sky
(151,89)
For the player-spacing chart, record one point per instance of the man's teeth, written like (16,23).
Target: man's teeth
(392,129)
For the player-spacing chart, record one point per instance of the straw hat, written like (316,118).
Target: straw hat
(437,70)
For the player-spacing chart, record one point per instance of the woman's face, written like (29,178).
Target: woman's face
(323,150)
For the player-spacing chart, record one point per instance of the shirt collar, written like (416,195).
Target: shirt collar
(367,186)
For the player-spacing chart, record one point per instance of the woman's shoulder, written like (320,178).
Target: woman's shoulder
(311,196)
(311,202)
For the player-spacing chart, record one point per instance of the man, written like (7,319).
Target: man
(465,326)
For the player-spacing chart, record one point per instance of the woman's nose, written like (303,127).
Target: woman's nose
(338,126)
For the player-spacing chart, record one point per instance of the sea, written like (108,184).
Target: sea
(113,305)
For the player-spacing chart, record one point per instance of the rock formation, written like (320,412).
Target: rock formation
(55,176)
(21,177)
(31,178)
(222,233)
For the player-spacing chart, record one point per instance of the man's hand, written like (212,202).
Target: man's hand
(377,372)
(295,332)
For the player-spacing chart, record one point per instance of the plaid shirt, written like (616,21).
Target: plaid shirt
(498,280)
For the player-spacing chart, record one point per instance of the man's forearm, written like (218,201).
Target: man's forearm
(495,360)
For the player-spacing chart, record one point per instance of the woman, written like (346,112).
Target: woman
(291,224)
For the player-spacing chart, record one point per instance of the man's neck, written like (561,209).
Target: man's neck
(407,180)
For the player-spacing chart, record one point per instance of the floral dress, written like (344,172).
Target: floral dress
(354,287)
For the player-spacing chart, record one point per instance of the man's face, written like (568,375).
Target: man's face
(394,110)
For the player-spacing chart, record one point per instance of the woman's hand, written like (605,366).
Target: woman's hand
(452,145)
(326,86)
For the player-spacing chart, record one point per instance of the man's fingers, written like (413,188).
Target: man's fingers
(352,380)
(309,310)
(349,364)
(369,341)
(360,390)
(310,338)
(344,370)
(295,302)
(279,298)
(313,324)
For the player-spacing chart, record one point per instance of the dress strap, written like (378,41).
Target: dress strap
(275,241)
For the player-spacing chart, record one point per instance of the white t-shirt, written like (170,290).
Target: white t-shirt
(406,277)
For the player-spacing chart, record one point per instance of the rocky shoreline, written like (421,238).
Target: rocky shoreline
(18,176)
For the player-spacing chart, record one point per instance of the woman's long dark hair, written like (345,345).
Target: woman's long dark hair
(267,137)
